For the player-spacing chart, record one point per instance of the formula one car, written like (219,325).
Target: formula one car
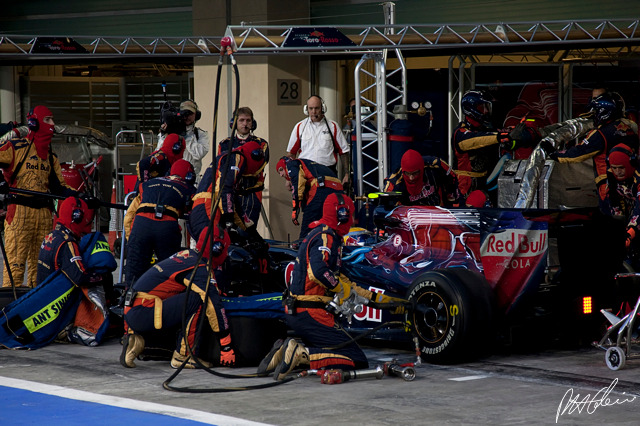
(473,274)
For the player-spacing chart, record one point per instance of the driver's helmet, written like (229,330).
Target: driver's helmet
(359,237)
(477,105)
(606,108)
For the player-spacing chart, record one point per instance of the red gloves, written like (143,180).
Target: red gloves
(227,355)
(631,234)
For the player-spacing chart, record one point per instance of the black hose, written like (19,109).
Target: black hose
(214,204)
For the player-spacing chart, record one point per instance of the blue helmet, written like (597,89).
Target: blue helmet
(477,105)
(606,108)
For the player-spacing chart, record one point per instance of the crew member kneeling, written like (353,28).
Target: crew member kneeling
(156,302)
(315,278)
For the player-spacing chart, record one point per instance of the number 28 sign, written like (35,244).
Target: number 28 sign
(289,92)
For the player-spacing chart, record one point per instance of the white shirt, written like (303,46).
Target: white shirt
(196,148)
(316,143)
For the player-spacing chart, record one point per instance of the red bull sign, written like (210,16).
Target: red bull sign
(513,253)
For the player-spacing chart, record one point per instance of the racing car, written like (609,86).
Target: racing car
(473,275)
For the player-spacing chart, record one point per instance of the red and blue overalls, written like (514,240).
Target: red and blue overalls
(440,186)
(597,145)
(314,275)
(250,185)
(311,184)
(160,295)
(159,204)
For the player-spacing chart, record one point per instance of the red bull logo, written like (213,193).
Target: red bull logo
(510,258)
(515,242)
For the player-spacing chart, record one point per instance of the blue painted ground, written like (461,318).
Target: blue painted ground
(22,407)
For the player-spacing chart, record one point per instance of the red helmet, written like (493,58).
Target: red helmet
(337,212)
(253,155)
(185,170)
(173,147)
(217,245)
(75,215)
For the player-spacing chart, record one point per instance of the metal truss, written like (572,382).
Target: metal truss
(492,37)
(611,37)
(19,47)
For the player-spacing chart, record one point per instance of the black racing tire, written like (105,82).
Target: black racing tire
(454,313)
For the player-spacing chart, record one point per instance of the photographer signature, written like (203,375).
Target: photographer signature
(589,404)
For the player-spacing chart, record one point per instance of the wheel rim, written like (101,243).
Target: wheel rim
(432,321)
(615,358)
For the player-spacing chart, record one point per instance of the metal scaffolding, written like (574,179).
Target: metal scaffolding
(612,37)
(559,42)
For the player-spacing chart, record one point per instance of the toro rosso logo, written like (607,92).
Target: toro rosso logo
(515,242)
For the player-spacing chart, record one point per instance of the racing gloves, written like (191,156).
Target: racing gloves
(505,141)
(631,234)
(227,354)
(295,213)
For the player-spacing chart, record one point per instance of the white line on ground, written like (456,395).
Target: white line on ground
(149,407)
(467,378)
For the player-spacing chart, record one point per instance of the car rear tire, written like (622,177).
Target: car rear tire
(453,319)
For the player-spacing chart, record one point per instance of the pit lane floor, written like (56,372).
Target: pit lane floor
(72,384)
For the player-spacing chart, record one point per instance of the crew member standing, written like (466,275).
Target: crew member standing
(159,162)
(251,185)
(425,181)
(151,221)
(611,129)
(310,183)
(28,163)
(224,178)
(318,139)
(475,145)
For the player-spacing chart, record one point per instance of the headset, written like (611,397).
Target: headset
(305,109)
(245,111)
(32,121)
(198,113)
(177,146)
(78,213)
(633,158)
(342,210)
(217,247)
(190,178)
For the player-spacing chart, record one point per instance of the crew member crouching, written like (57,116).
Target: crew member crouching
(315,280)
(156,301)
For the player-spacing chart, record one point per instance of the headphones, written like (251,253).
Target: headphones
(77,214)
(257,155)
(217,247)
(254,123)
(32,121)
(177,146)
(190,178)
(305,109)
(633,159)
(198,113)
(342,211)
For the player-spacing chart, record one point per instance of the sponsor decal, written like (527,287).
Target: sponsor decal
(47,314)
(101,246)
(325,249)
(515,242)
(318,37)
(288,273)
